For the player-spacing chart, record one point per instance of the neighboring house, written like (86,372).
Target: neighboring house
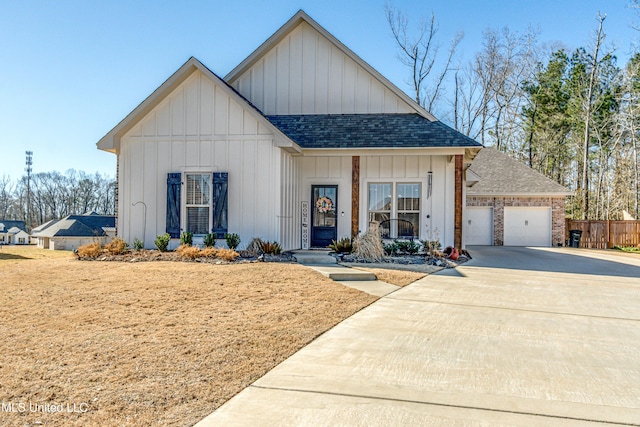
(303,142)
(512,204)
(13,233)
(75,230)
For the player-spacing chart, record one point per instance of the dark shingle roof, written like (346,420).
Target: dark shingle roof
(369,131)
(9,224)
(79,226)
(501,174)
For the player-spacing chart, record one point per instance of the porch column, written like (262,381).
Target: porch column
(457,220)
(355,195)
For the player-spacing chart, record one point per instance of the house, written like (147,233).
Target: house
(13,233)
(73,231)
(511,204)
(303,142)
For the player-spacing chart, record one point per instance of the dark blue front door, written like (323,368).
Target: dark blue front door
(324,221)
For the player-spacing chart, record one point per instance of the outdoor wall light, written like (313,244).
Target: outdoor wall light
(429,183)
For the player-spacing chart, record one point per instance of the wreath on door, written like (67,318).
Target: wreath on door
(324,204)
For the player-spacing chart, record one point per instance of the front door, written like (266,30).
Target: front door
(324,221)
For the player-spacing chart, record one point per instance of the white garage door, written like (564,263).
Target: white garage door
(478,226)
(527,226)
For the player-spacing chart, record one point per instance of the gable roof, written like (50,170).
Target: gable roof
(6,225)
(369,131)
(111,141)
(289,27)
(43,226)
(91,225)
(16,230)
(502,175)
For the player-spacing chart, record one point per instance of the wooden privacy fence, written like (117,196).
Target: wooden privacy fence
(605,234)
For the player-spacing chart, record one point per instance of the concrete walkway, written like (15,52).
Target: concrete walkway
(516,336)
(325,264)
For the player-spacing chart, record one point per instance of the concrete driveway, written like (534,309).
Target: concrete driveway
(517,336)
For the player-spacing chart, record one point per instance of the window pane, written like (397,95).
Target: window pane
(403,229)
(408,197)
(198,220)
(198,189)
(379,197)
(324,205)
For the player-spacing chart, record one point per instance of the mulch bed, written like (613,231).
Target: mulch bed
(397,262)
(146,255)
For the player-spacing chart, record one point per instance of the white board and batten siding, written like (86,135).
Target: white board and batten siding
(199,127)
(289,218)
(336,170)
(305,73)
(329,170)
(527,226)
(439,206)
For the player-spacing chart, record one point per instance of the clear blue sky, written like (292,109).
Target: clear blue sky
(71,70)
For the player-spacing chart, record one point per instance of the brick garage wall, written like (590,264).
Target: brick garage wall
(557,205)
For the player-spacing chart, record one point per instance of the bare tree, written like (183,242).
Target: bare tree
(55,195)
(467,102)
(588,106)
(505,62)
(6,196)
(420,54)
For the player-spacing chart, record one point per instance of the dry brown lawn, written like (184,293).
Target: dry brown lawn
(154,343)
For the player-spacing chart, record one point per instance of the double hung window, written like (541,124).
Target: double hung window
(198,203)
(396,206)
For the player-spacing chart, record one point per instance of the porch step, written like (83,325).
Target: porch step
(314,257)
(339,273)
(325,264)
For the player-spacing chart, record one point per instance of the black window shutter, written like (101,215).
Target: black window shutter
(173,204)
(220,203)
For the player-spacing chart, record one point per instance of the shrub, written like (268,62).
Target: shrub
(208,252)
(343,245)
(189,252)
(162,242)
(138,244)
(233,240)
(413,247)
(431,246)
(186,238)
(227,254)
(193,252)
(390,249)
(408,247)
(117,246)
(209,240)
(254,246)
(368,245)
(91,250)
(270,248)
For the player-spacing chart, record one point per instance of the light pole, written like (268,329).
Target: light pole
(28,169)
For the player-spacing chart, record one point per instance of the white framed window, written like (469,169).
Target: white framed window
(408,206)
(380,200)
(198,203)
(397,207)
